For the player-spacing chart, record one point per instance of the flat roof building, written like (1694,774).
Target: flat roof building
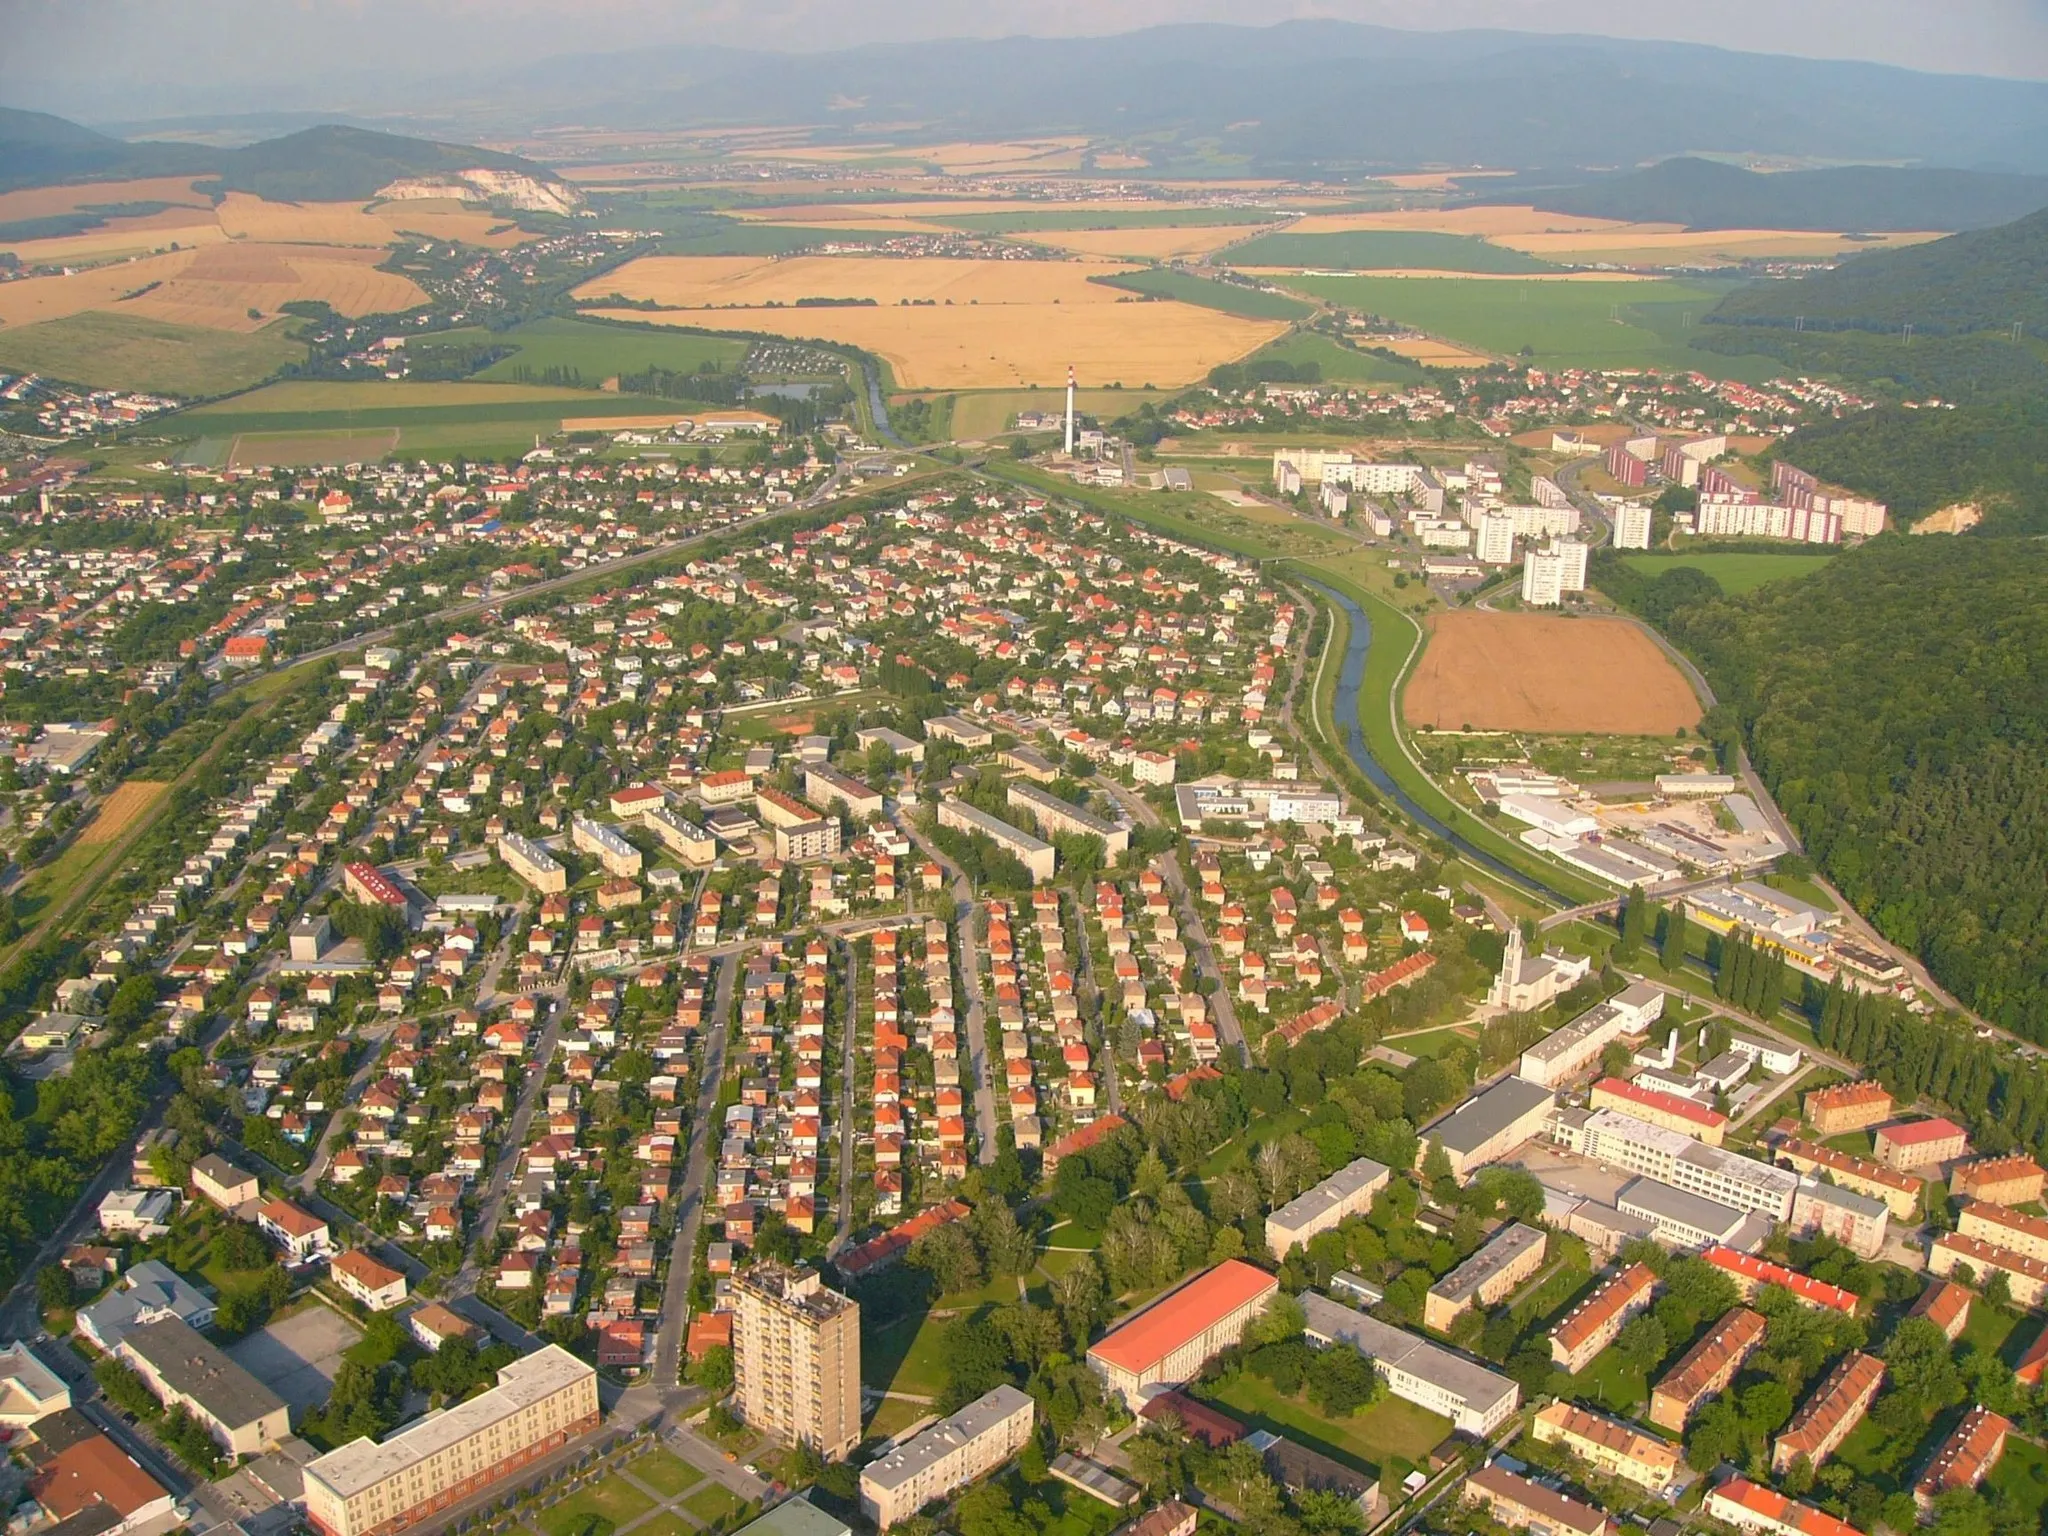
(1681,1219)
(29,1389)
(1417,1370)
(604,843)
(1509,1257)
(1856,1221)
(1490,1123)
(1057,815)
(542,1401)
(796,1358)
(954,1451)
(1350,1191)
(1705,1369)
(1671,1157)
(1033,853)
(1669,1110)
(532,863)
(1167,1342)
(1564,1053)
(825,787)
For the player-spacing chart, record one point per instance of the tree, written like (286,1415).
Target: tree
(1341,1381)
(1642,1341)
(1677,934)
(713,1370)
(947,1253)
(54,1290)
(1635,923)
(1282,1320)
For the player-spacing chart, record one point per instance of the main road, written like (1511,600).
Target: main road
(682,1257)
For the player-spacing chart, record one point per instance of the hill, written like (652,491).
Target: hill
(1980,280)
(1892,704)
(329,163)
(1705,194)
(38,150)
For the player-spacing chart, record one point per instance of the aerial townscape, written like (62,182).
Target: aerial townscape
(785,771)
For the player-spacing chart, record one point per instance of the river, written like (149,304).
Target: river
(1350,680)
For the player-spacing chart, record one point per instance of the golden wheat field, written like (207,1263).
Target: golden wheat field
(1009,346)
(215,286)
(704,282)
(121,237)
(128,801)
(43,202)
(958,159)
(378,224)
(1430,351)
(1491,222)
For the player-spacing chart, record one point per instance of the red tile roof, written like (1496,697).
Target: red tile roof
(1748,1268)
(1663,1103)
(1183,1315)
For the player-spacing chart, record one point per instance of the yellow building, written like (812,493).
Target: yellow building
(796,1358)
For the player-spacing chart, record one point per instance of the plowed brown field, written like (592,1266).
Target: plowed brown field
(1535,672)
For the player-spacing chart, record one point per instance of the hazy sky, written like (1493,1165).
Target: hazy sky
(106,58)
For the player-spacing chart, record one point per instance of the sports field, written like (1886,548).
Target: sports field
(1736,573)
(118,351)
(1595,324)
(1534,672)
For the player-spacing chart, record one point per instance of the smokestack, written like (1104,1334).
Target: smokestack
(1070,410)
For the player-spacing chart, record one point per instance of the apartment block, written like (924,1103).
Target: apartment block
(796,1358)
(619,858)
(1825,1419)
(2012,1180)
(1764,1511)
(1564,1053)
(1509,1257)
(1592,1325)
(1966,1457)
(954,1451)
(533,863)
(1618,1449)
(1920,1144)
(1946,1305)
(1056,815)
(1034,853)
(184,1369)
(1350,1191)
(542,1401)
(1854,1220)
(1669,1110)
(1901,1192)
(1705,1369)
(2002,1228)
(1417,1370)
(800,842)
(1848,1107)
(1751,1274)
(2028,1277)
(1521,1504)
(825,787)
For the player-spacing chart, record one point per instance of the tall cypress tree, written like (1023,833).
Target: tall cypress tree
(1677,930)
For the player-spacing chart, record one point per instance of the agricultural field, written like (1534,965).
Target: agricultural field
(244,217)
(991,414)
(597,352)
(1008,346)
(1555,675)
(228,287)
(47,202)
(1338,364)
(1600,324)
(1486,222)
(1736,573)
(1374,250)
(700,282)
(116,238)
(336,422)
(298,450)
(1164,243)
(122,351)
(119,810)
(1230,298)
(1661,245)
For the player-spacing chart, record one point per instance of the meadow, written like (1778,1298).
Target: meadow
(596,352)
(1338,364)
(1592,324)
(511,412)
(117,351)
(1369,250)
(991,413)
(1736,573)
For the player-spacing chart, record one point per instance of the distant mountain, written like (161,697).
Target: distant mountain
(1981,280)
(1306,96)
(329,163)
(38,150)
(1705,194)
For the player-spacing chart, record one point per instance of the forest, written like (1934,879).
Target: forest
(1921,461)
(1893,704)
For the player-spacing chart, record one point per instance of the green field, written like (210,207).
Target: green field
(749,239)
(1593,324)
(1230,298)
(111,351)
(1391,1427)
(665,1472)
(989,413)
(1339,364)
(518,410)
(595,350)
(1031,222)
(614,1498)
(1379,250)
(1735,573)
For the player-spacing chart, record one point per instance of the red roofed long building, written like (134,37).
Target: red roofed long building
(1920,1144)
(366,882)
(1751,1274)
(1825,1419)
(1660,1108)
(1168,1341)
(1751,1507)
(1966,1457)
(1591,1326)
(1848,1107)
(879,1252)
(1705,1369)
(1081,1140)
(2015,1179)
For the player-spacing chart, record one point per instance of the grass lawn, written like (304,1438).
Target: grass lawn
(1391,1427)
(892,1416)
(1074,1513)
(597,351)
(1610,1383)
(128,352)
(614,1498)
(665,1472)
(2022,1476)
(666,1525)
(905,1356)
(1431,1042)
(1230,298)
(1238,1150)
(1801,890)
(1735,573)
(1989,1327)
(713,1502)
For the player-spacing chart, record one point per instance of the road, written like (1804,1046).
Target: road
(968,958)
(1091,999)
(704,1135)
(514,1142)
(844,1227)
(374,1037)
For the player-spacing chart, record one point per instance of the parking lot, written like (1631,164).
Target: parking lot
(297,1356)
